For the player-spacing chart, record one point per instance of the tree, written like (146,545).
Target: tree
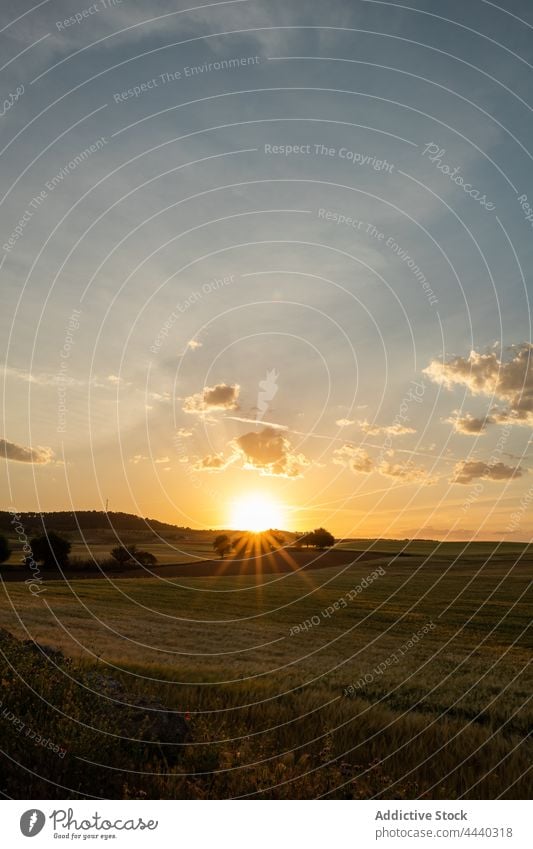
(146,558)
(322,538)
(133,555)
(319,538)
(306,539)
(121,554)
(52,550)
(5,551)
(222,545)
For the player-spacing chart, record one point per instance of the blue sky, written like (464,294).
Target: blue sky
(287,209)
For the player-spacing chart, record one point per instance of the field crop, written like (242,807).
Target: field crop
(285,691)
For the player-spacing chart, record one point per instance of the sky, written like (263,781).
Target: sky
(269,250)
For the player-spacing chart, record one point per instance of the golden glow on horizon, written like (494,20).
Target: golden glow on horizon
(257,512)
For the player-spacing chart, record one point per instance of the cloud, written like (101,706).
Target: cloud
(213,463)
(162,397)
(353,458)
(40,378)
(183,433)
(470,425)
(220,397)
(344,422)
(246,420)
(193,344)
(395,429)
(360,462)
(39,456)
(468,470)
(269,452)
(116,380)
(487,374)
(407,472)
(142,458)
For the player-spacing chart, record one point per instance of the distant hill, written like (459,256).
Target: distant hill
(85,520)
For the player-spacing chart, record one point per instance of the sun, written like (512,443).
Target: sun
(255,512)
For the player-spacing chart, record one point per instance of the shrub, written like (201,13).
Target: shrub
(146,558)
(52,550)
(132,556)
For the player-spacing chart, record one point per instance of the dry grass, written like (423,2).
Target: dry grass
(268,714)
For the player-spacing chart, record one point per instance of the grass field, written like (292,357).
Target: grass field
(177,548)
(349,705)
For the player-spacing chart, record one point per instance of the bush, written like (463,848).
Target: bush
(145,558)
(52,550)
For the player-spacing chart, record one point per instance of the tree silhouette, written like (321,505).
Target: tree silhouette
(322,538)
(306,539)
(133,555)
(222,545)
(51,550)
(319,538)
(123,555)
